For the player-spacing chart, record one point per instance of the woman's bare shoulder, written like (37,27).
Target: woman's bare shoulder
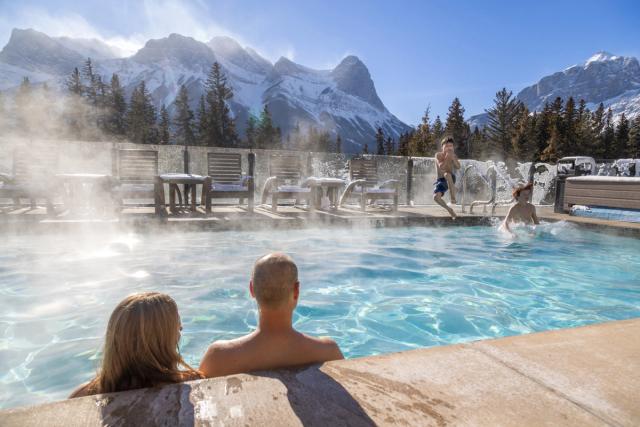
(82,391)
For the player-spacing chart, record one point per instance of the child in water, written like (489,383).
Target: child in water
(522,211)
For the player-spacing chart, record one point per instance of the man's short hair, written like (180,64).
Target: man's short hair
(519,189)
(274,277)
(447,140)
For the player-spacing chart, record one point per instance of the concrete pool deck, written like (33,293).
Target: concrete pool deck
(581,376)
(233,217)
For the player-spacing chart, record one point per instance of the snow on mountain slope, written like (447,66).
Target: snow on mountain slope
(343,100)
(604,77)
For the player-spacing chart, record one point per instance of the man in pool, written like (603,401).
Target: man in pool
(275,343)
(522,211)
(446,162)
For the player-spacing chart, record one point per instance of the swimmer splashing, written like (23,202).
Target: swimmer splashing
(522,211)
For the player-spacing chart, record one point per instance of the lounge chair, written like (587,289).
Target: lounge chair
(365,185)
(226,181)
(33,176)
(285,181)
(137,177)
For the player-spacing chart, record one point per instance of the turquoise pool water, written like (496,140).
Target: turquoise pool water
(373,290)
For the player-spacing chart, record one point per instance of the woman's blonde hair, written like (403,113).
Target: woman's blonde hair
(141,346)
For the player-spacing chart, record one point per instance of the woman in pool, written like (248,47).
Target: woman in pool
(141,347)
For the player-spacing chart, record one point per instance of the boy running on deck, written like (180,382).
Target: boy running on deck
(522,211)
(446,162)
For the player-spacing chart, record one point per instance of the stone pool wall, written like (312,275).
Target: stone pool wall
(573,377)
(96,157)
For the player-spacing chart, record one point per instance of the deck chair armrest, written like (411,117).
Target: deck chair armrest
(269,186)
(390,183)
(5,177)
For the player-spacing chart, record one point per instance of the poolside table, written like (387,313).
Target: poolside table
(326,187)
(189,180)
(81,188)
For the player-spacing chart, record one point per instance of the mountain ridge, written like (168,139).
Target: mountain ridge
(342,100)
(612,80)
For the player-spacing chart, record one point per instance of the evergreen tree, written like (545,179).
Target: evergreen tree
(23,100)
(597,128)
(3,113)
(278,139)
(338,147)
(608,136)
(90,89)
(141,117)
(380,142)
(502,121)
(267,135)
(633,145)
(403,144)
(558,131)
(422,143)
(203,122)
(74,83)
(218,93)
(324,142)
(570,125)
(456,126)
(478,144)
(183,119)
(438,132)
(584,135)
(365,150)
(117,108)
(295,138)
(388,146)
(550,153)
(164,134)
(621,138)
(542,131)
(251,131)
(520,139)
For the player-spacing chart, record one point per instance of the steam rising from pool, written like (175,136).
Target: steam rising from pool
(373,290)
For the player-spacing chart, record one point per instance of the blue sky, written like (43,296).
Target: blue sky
(419,53)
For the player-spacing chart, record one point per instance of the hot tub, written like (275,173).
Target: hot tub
(602,191)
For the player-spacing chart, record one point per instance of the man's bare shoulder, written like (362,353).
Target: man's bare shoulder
(324,347)
(225,346)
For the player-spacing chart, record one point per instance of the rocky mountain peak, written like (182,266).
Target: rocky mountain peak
(352,77)
(175,48)
(230,50)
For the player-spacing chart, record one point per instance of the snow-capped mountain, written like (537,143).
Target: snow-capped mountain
(342,100)
(610,79)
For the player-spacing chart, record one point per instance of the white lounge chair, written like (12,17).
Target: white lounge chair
(226,181)
(365,185)
(285,181)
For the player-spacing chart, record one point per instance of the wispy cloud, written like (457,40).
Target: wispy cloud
(157,18)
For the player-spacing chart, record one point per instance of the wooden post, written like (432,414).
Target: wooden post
(409,181)
(158,189)
(193,197)
(185,168)
(252,181)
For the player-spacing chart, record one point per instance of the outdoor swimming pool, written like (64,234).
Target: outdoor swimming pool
(373,290)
